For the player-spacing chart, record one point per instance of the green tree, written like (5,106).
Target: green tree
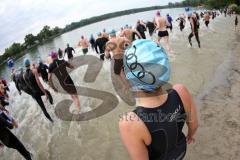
(13,50)
(56,30)
(29,40)
(44,34)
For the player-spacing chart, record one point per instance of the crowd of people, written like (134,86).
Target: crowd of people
(143,140)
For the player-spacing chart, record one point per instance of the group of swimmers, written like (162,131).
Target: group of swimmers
(152,139)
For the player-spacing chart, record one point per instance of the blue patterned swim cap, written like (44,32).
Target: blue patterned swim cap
(146,65)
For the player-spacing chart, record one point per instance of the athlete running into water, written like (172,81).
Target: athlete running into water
(105,34)
(162,24)
(60,53)
(100,45)
(141,29)
(236,23)
(194,29)
(182,22)
(30,83)
(169,19)
(130,34)
(116,45)
(154,129)
(92,41)
(84,44)
(7,137)
(59,68)
(69,50)
(151,27)
(207,19)
(43,70)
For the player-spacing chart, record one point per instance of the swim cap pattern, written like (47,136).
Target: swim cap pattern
(146,65)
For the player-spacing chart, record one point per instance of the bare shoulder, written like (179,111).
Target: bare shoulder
(34,70)
(128,120)
(184,94)
(181,90)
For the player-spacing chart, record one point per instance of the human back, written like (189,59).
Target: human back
(117,46)
(30,81)
(20,82)
(153,130)
(59,68)
(161,23)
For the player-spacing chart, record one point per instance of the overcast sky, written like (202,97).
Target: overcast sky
(20,17)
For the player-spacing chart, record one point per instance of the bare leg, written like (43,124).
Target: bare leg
(125,83)
(158,39)
(166,43)
(76,101)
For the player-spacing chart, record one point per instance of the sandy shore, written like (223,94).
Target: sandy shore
(218,137)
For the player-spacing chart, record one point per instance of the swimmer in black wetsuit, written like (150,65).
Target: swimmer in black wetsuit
(236,23)
(42,70)
(194,28)
(30,83)
(181,23)
(92,41)
(151,27)
(154,129)
(59,68)
(69,50)
(8,138)
(225,12)
(100,45)
(60,53)
(141,29)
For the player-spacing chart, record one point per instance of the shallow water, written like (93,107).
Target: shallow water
(99,138)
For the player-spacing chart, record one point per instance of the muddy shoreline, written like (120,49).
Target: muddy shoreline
(219,113)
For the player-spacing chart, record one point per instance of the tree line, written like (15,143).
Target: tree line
(211,4)
(16,50)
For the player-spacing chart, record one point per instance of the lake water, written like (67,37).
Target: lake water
(99,138)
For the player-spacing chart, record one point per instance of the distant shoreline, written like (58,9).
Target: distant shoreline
(89,21)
